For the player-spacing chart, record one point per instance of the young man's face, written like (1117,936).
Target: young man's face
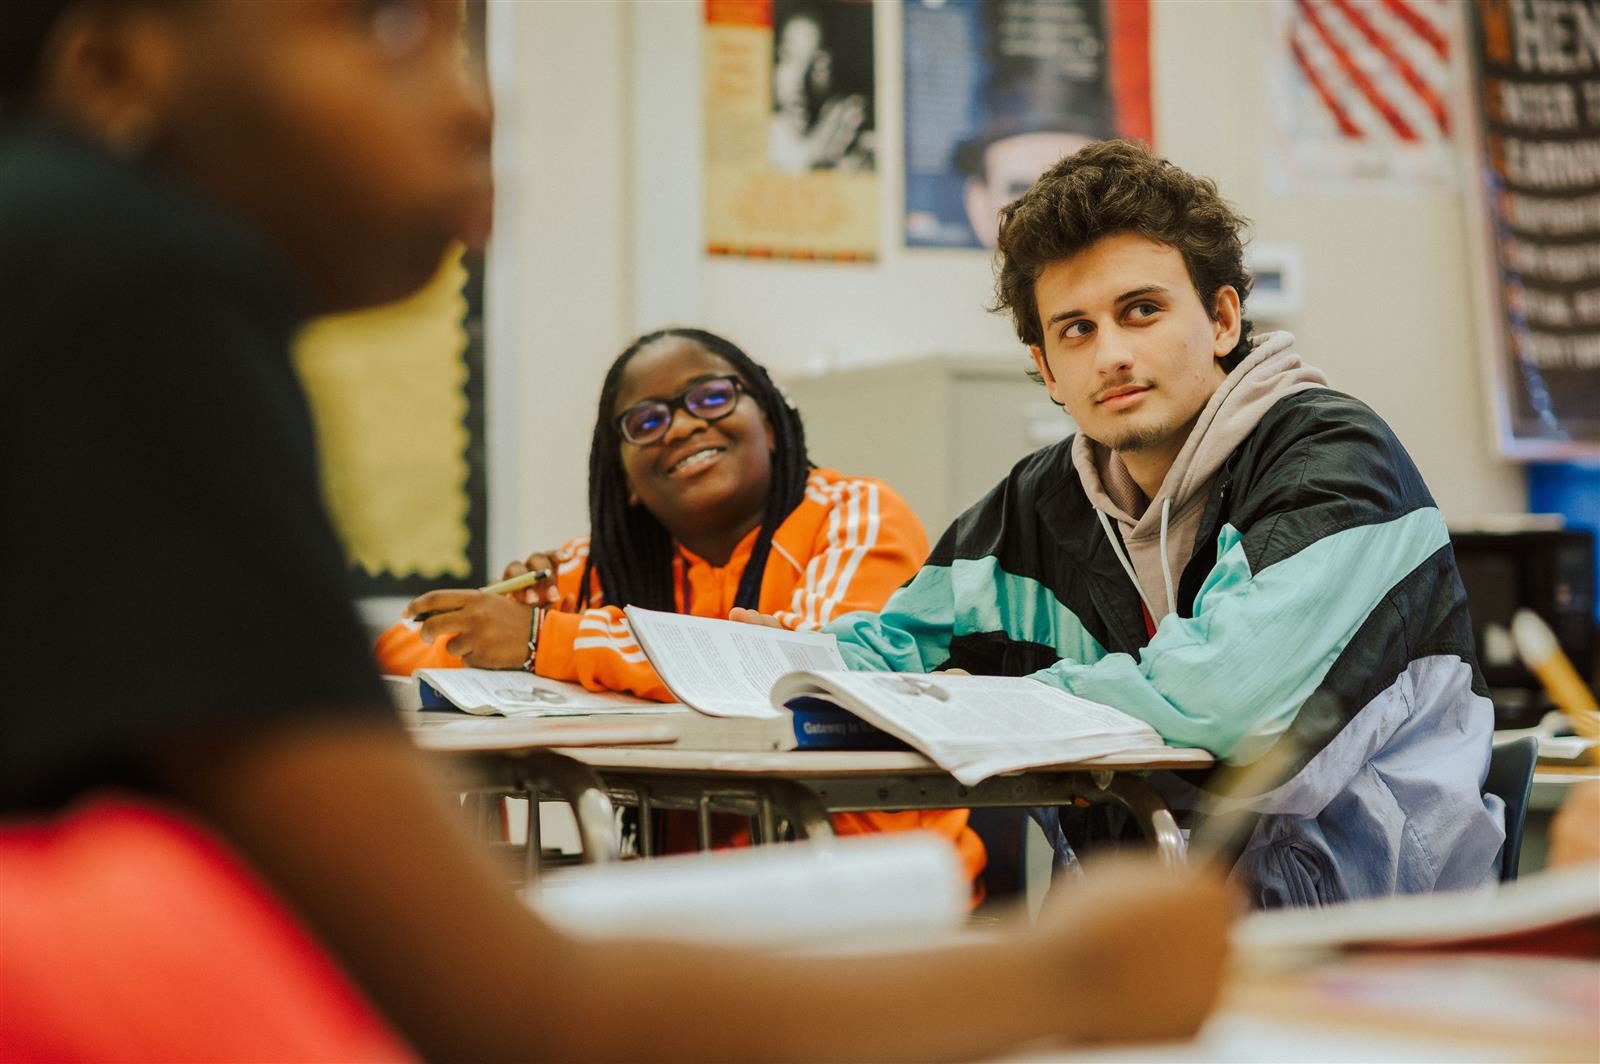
(1129,349)
(349,131)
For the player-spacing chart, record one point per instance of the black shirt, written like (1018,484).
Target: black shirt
(167,568)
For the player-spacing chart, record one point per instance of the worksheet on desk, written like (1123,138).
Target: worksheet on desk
(725,668)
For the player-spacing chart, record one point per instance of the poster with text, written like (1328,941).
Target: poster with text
(1536,152)
(997,91)
(790,130)
(1360,95)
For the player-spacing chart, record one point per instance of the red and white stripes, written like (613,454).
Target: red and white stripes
(853,525)
(1378,68)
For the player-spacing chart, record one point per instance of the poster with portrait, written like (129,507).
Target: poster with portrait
(996,91)
(790,130)
(1361,92)
(1533,145)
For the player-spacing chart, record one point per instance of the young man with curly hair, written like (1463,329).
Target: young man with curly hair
(1227,549)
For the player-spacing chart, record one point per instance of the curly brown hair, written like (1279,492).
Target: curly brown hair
(1110,187)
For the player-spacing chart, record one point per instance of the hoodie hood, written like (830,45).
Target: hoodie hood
(1159,533)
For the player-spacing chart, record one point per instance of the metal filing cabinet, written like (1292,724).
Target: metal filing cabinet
(941,430)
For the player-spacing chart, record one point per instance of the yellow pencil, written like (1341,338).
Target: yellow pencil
(504,587)
(517,583)
(1537,645)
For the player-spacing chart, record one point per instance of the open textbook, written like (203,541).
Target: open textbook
(527,698)
(974,727)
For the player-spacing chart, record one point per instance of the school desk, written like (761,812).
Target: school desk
(493,755)
(801,788)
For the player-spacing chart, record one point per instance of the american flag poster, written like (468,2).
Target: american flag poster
(1363,93)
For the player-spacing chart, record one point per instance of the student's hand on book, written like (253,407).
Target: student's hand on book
(484,631)
(744,616)
(1136,952)
(545,592)
(1575,831)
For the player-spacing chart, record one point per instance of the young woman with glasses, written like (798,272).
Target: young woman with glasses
(701,499)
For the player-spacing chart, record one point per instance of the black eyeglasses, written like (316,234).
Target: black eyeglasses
(709,400)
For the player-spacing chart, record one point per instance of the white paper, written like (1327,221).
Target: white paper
(1532,902)
(724,668)
(984,725)
(520,694)
(799,893)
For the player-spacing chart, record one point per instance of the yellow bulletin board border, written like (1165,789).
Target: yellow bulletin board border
(388,583)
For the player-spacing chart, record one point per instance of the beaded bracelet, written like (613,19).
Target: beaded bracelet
(535,623)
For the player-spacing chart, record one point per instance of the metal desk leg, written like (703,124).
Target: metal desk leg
(1155,819)
(584,792)
(800,807)
(703,823)
(766,824)
(533,852)
(647,824)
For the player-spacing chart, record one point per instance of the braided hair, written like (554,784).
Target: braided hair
(630,551)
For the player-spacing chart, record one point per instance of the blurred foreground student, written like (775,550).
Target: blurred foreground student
(180,183)
(1575,829)
(701,498)
(1225,539)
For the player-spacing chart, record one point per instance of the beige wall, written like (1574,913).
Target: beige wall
(599,226)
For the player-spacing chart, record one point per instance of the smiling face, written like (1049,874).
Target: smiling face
(1129,349)
(701,477)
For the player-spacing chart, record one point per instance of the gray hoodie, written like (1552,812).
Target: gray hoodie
(1159,532)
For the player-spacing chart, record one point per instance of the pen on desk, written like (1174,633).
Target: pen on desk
(1540,651)
(503,587)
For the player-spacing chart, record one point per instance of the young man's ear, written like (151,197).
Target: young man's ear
(1043,365)
(1227,317)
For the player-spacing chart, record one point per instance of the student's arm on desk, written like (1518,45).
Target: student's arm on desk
(1575,831)
(337,818)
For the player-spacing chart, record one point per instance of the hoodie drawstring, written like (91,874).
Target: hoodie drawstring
(1127,566)
(1166,566)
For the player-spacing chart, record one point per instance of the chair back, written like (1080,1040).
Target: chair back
(1511,778)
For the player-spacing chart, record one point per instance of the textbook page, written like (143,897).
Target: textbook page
(487,692)
(978,726)
(725,668)
(1548,899)
(905,887)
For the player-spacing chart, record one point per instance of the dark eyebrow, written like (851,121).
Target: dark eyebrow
(1143,290)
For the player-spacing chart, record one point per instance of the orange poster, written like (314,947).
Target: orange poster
(790,130)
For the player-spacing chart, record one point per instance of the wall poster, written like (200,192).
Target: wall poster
(996,91)
(790,130)
(1360,95)
(1535,153)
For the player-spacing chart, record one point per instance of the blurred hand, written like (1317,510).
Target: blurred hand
(1575,831)
(744,616)
(545,592)
(1135,951)
(486,631)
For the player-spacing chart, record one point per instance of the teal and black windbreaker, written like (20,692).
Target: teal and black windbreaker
(1322,569)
